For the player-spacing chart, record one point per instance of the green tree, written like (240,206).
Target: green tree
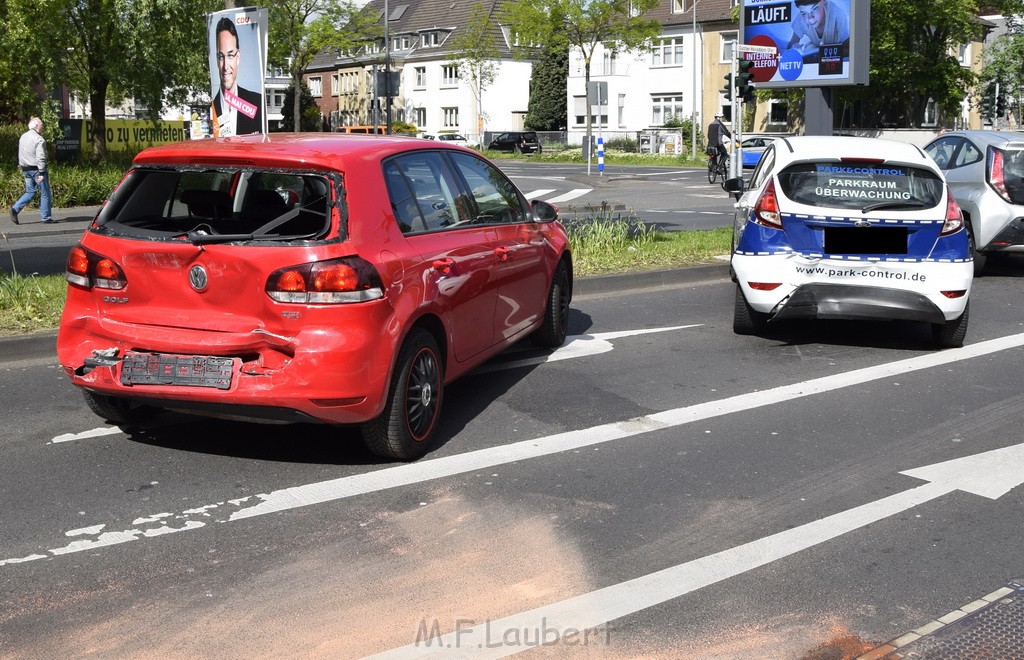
(914,58)
(309,112)
(301,29)
(153,51)
(1004,69)
(547,110)
(476,55)
(618,25)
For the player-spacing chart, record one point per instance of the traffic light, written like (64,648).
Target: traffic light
(988,101)
(1000,105)
(743,87)
(727,90)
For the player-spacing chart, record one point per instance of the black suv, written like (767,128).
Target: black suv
(522,142)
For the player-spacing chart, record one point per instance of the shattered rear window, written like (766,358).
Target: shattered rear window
(220,205)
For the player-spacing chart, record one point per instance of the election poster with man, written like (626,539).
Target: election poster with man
(238,56)
(809,43)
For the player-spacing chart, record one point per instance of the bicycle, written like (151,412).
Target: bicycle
(718,167)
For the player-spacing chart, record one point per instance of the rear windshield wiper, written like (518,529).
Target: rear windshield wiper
(877,206)
(202,238)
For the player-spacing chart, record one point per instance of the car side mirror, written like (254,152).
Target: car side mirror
(734,186)
(544,211)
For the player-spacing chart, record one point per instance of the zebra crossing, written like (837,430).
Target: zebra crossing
(564,197)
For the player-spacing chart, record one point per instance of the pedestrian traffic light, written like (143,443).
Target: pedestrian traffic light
(743,87)
(727,90)
(988,101)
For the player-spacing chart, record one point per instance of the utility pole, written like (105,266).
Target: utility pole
(387,69)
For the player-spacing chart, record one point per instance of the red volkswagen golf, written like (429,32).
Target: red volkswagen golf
(336,279)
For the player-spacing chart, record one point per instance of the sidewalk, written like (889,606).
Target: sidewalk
(72,220)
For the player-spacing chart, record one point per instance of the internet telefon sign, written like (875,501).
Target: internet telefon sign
(806,43)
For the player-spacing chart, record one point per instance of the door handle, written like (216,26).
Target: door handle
(443,265)
(502,253)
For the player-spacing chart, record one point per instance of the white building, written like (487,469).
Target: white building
(433,93)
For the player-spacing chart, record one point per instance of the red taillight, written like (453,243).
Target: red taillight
(959,293)
(954,219)
(996,173)
(336,277)
(291,280)
(766,210)
(764,286)
(88,269)
(349,279)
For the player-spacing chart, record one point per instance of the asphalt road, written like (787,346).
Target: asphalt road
(659,487)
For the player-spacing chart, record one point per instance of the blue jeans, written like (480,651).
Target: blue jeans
(30,191)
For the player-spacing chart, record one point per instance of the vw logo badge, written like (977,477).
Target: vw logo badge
(198,278)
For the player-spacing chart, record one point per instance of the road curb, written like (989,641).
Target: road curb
(42,344)
(598,284)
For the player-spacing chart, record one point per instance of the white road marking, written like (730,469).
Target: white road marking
(92,433)
(437,468)
(538,193)
(576,346)
(990,474)
(572,194)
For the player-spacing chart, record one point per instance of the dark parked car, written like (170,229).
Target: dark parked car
(339,279)
(517,142)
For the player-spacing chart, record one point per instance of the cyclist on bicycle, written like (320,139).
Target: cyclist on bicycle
(717,132)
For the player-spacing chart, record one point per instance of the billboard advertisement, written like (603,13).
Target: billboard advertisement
(238,64)
(807,43)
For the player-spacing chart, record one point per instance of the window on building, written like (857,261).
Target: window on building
(315,86)
(428,39)
(421,76)
(419,117)
(965,54)
(579,104)
(668,51)
(350,82)
(665,108)
(778,112)
(450,117)
(609,61)
(678,6)
(449,75)
(335,84)
(931,113)
(622,110)
(727,46)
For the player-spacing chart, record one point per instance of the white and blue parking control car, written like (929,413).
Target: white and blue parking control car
(849,228)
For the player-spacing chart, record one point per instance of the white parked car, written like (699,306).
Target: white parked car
(455,138)
(849,228)
(985,171)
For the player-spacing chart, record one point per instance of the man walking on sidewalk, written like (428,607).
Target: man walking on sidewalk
(32,161)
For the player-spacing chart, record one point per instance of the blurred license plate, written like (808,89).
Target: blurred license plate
(184,370)
(866,240)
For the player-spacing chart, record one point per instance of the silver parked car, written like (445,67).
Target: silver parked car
(985,171)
